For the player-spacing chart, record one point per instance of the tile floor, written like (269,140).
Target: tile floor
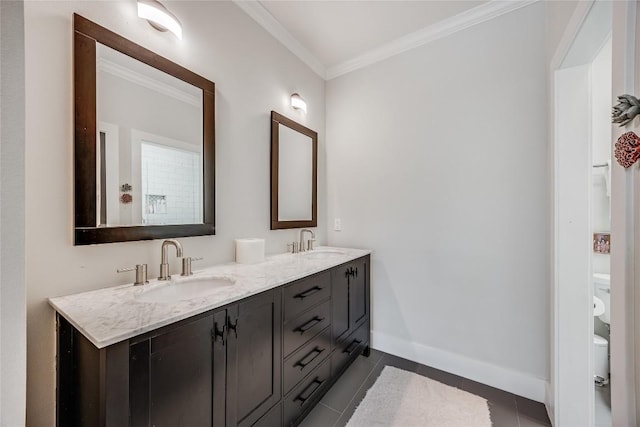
(337,406)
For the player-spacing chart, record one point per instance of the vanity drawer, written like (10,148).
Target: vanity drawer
(306,359)
(306,326)
(303,397)
(306,293)
(349,349)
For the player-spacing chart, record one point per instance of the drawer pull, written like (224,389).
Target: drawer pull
(303,397)
(303,363)
(308,292)
(310,324)
(353,346)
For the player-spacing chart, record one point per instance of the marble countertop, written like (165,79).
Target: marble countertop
(110,315)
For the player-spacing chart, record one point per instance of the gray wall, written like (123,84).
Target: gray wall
(437,159)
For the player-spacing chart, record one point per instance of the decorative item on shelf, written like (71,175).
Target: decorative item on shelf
(126,197)
(601,243)
(625,110)
(627,150)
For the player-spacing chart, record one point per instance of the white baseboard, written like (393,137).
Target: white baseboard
(486,373)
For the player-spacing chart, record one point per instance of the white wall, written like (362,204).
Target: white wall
(437,160)
(253,74)
(13,345)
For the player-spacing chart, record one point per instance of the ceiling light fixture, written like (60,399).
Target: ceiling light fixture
(159,17)
(298,103)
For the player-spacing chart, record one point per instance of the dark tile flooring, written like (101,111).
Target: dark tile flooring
(337,406)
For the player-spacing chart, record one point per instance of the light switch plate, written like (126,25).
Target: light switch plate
(337,224)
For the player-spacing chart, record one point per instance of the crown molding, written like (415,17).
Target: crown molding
(140,79)
(261,15)
(446,27)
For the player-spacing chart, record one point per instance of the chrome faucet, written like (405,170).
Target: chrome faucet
(309,242)
(164,266)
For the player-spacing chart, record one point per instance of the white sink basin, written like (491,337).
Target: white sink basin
(322,253)
(185,289)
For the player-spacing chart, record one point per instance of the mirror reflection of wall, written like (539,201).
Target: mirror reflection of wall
(295,175)
(150,125)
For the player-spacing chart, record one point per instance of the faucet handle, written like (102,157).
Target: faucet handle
(293,246)
(141,273)
(310,243)
(186,265)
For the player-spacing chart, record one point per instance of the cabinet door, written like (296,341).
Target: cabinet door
(219,368)
(339,303)
(349,298)
(254,358)
(357,293)
(171,377)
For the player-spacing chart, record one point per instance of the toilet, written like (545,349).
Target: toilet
(602,289)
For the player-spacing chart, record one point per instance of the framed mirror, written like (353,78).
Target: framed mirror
(294,174)
(144,142)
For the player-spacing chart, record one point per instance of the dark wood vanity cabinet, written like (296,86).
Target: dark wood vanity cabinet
(222,369)
(264,361)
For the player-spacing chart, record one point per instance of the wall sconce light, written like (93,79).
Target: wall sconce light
(298,103)
(159,17)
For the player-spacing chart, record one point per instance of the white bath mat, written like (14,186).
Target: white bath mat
(404,399)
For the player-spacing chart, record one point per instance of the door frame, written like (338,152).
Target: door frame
(625,213)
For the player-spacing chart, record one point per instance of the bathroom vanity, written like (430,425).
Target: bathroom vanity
(259,346)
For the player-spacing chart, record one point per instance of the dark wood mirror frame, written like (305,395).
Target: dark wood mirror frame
(86,34)
(276,120)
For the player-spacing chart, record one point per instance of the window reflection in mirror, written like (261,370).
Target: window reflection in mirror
(150,133)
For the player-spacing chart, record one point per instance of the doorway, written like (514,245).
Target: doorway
(581,80)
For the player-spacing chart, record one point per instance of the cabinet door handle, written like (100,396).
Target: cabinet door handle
(303,397)
(352,347)
(308,292)
(233,326)
(303,362)
(219,333)
(310,324)
(351,272)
